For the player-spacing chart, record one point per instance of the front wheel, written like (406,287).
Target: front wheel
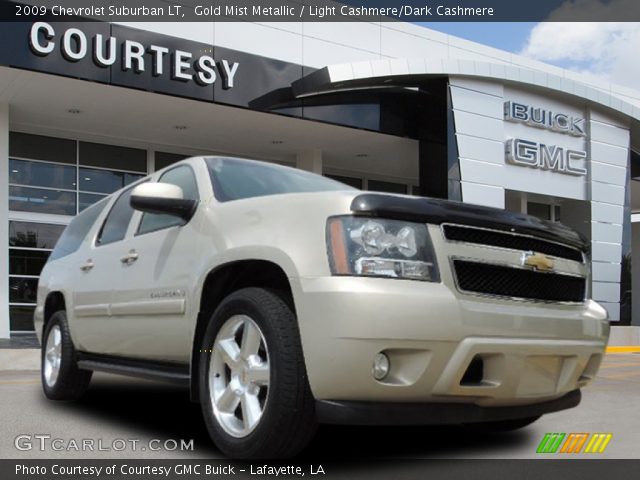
(254,392)
(61,377)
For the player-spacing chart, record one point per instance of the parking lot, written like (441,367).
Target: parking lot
(120,412)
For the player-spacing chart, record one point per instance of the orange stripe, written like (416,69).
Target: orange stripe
(583,438)
(566,448)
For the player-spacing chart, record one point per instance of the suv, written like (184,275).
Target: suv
(284,299)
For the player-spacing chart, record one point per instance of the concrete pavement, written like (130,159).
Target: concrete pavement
(118,411)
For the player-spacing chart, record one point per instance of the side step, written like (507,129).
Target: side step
(152,370)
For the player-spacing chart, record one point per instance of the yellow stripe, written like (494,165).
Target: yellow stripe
(605,443)
(590,444)
(596,445)
(625,349)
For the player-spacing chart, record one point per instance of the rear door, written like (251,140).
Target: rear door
(99,273)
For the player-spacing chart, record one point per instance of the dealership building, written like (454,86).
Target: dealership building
(88,107)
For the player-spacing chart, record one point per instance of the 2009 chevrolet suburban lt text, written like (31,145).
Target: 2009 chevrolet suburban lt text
(285,299)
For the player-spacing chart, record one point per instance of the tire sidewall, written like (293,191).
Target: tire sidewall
(254,441)
(67,360)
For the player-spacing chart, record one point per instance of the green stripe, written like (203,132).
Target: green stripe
(543,443)
(556,445)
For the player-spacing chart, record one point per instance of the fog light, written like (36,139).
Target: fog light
(380,366)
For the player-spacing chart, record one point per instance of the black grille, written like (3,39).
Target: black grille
(517,282)
(506,240)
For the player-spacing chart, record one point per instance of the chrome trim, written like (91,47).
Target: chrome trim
(472,227)
(454,275)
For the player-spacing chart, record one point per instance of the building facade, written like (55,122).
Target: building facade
(88,107)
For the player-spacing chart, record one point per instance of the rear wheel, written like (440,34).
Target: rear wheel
(61,377)
(254,392)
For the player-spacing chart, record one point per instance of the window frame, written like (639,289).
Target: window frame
(162,173)
(96,243)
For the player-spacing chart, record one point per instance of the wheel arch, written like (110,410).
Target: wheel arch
(54,302)
(228,278)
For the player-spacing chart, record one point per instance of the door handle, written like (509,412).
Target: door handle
(88,265)
(129,258)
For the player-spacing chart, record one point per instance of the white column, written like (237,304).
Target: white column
(4,220)
(310,160)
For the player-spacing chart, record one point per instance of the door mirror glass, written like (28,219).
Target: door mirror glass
(162,198)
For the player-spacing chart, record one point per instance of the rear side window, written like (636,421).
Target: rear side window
(184,178)
(115,226)
(76,231)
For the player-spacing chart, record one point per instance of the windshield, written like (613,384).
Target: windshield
(234,179)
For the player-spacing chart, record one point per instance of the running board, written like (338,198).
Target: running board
(152,370)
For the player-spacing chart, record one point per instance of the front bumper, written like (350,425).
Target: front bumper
(367,413)
(530,352)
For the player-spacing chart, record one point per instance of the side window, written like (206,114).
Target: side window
(76,231)
(184,178)
(115,226)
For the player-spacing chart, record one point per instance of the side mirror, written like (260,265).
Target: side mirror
(162,198)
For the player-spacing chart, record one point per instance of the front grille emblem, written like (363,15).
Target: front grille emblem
(537,261)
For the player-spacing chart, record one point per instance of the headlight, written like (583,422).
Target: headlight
(380,248)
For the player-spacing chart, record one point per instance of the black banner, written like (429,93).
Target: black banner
(324,10)
(352,470)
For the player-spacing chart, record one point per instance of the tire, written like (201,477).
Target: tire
(255,396)
(60,375)
(503,425)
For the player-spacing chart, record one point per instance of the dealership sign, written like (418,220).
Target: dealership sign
(538,155)
(132,56)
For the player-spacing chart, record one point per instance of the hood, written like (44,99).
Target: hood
(436,211)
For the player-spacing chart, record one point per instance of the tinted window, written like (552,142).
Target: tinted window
(115,226)
(26,199)
(111,156)
(234,179)
(41,174)
(34,235)
(42,148)
(77,230)
(165,159)
(26,262)
(184,178)
(21,318)
(390,187)
(351,181)
(105,181)
(85,200)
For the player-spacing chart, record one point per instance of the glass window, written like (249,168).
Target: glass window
(85,200)
(105,181)
(540,210)
(39,147)
(40,174)
(184,178)
(556,211)
(27,262)
(415,190)
(351,181)
(389,187)
(111,156)
(22,289)
(235,179)
(21,318)
(165,159)
(34,235)
(26,199)
(363,115)
(115,226)
(77,230)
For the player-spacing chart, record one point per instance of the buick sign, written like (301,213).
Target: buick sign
(131,56)
(543,118)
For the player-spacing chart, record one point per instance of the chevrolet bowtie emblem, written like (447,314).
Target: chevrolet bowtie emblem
(537,261)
